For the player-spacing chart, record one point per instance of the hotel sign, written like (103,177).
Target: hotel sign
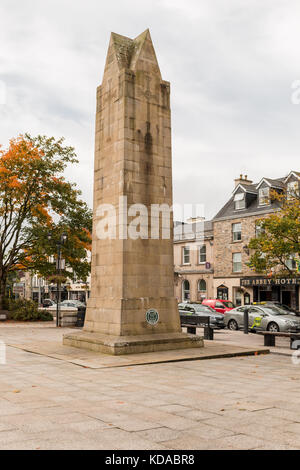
(266,281)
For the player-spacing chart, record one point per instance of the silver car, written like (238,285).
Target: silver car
(264,318)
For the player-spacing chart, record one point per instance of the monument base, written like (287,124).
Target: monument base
(119,345)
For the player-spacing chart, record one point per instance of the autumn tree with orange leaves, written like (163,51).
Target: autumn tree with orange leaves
(35,199)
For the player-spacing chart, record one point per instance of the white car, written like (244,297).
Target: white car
(61,306)
(73,303)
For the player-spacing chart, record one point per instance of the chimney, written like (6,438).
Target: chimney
(242,180)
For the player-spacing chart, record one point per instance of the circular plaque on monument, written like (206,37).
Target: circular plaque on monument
(152,316)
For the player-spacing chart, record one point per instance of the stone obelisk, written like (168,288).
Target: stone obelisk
(132,306)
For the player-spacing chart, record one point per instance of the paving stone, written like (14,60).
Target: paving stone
(205,431)
(215,404)
(159,434)
(188,443)
(67,418)
(236,442)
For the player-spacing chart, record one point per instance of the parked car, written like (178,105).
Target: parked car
(48,303)
(264,318)
(73,303)
(221,306)
(61,305)
(278,304)
(182,305)
(216,320)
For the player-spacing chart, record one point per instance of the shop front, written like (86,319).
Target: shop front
(284,290)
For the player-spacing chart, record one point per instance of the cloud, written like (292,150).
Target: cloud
(231,65)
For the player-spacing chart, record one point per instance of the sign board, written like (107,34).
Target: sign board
(266,281)
(19,288)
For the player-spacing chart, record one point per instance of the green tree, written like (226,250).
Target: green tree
(35,199)
(278,238)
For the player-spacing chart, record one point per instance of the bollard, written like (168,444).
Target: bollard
(208,333)
(246,320)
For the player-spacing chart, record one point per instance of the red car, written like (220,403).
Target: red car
(219,305)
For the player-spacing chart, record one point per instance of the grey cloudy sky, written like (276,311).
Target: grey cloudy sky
(231,64)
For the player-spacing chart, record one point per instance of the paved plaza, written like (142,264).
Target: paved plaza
(230,403)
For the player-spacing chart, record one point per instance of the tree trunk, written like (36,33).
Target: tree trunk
(2,293)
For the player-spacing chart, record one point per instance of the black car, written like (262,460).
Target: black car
(216,320)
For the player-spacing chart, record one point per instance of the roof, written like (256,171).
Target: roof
(292,173)
(273,183)
(228,210)
(248,188)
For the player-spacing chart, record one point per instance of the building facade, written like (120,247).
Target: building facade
(233,227)
(37,288)
(193,258)
(212,257)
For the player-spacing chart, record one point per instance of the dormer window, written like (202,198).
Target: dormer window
(292,189)
(264,196)
(239,201)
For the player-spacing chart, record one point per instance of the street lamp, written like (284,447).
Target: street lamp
(61,241)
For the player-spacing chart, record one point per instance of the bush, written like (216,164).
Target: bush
(6,303)
(27,310)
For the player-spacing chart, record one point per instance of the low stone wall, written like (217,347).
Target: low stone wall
(3,315)
(68,317)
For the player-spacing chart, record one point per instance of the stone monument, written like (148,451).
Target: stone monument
(132,307)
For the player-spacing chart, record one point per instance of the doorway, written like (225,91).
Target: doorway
(222,292)
(185,291)
(286,298)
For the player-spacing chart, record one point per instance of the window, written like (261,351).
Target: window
(259,230)
(291,263)
(186,255)
(256,310)
(201,285)
(292,189)
(236,232)
(239,201)
(264,196)
(202,254)
(35,281)
(241,309)
(185,290)
(237,262)
(238,298)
